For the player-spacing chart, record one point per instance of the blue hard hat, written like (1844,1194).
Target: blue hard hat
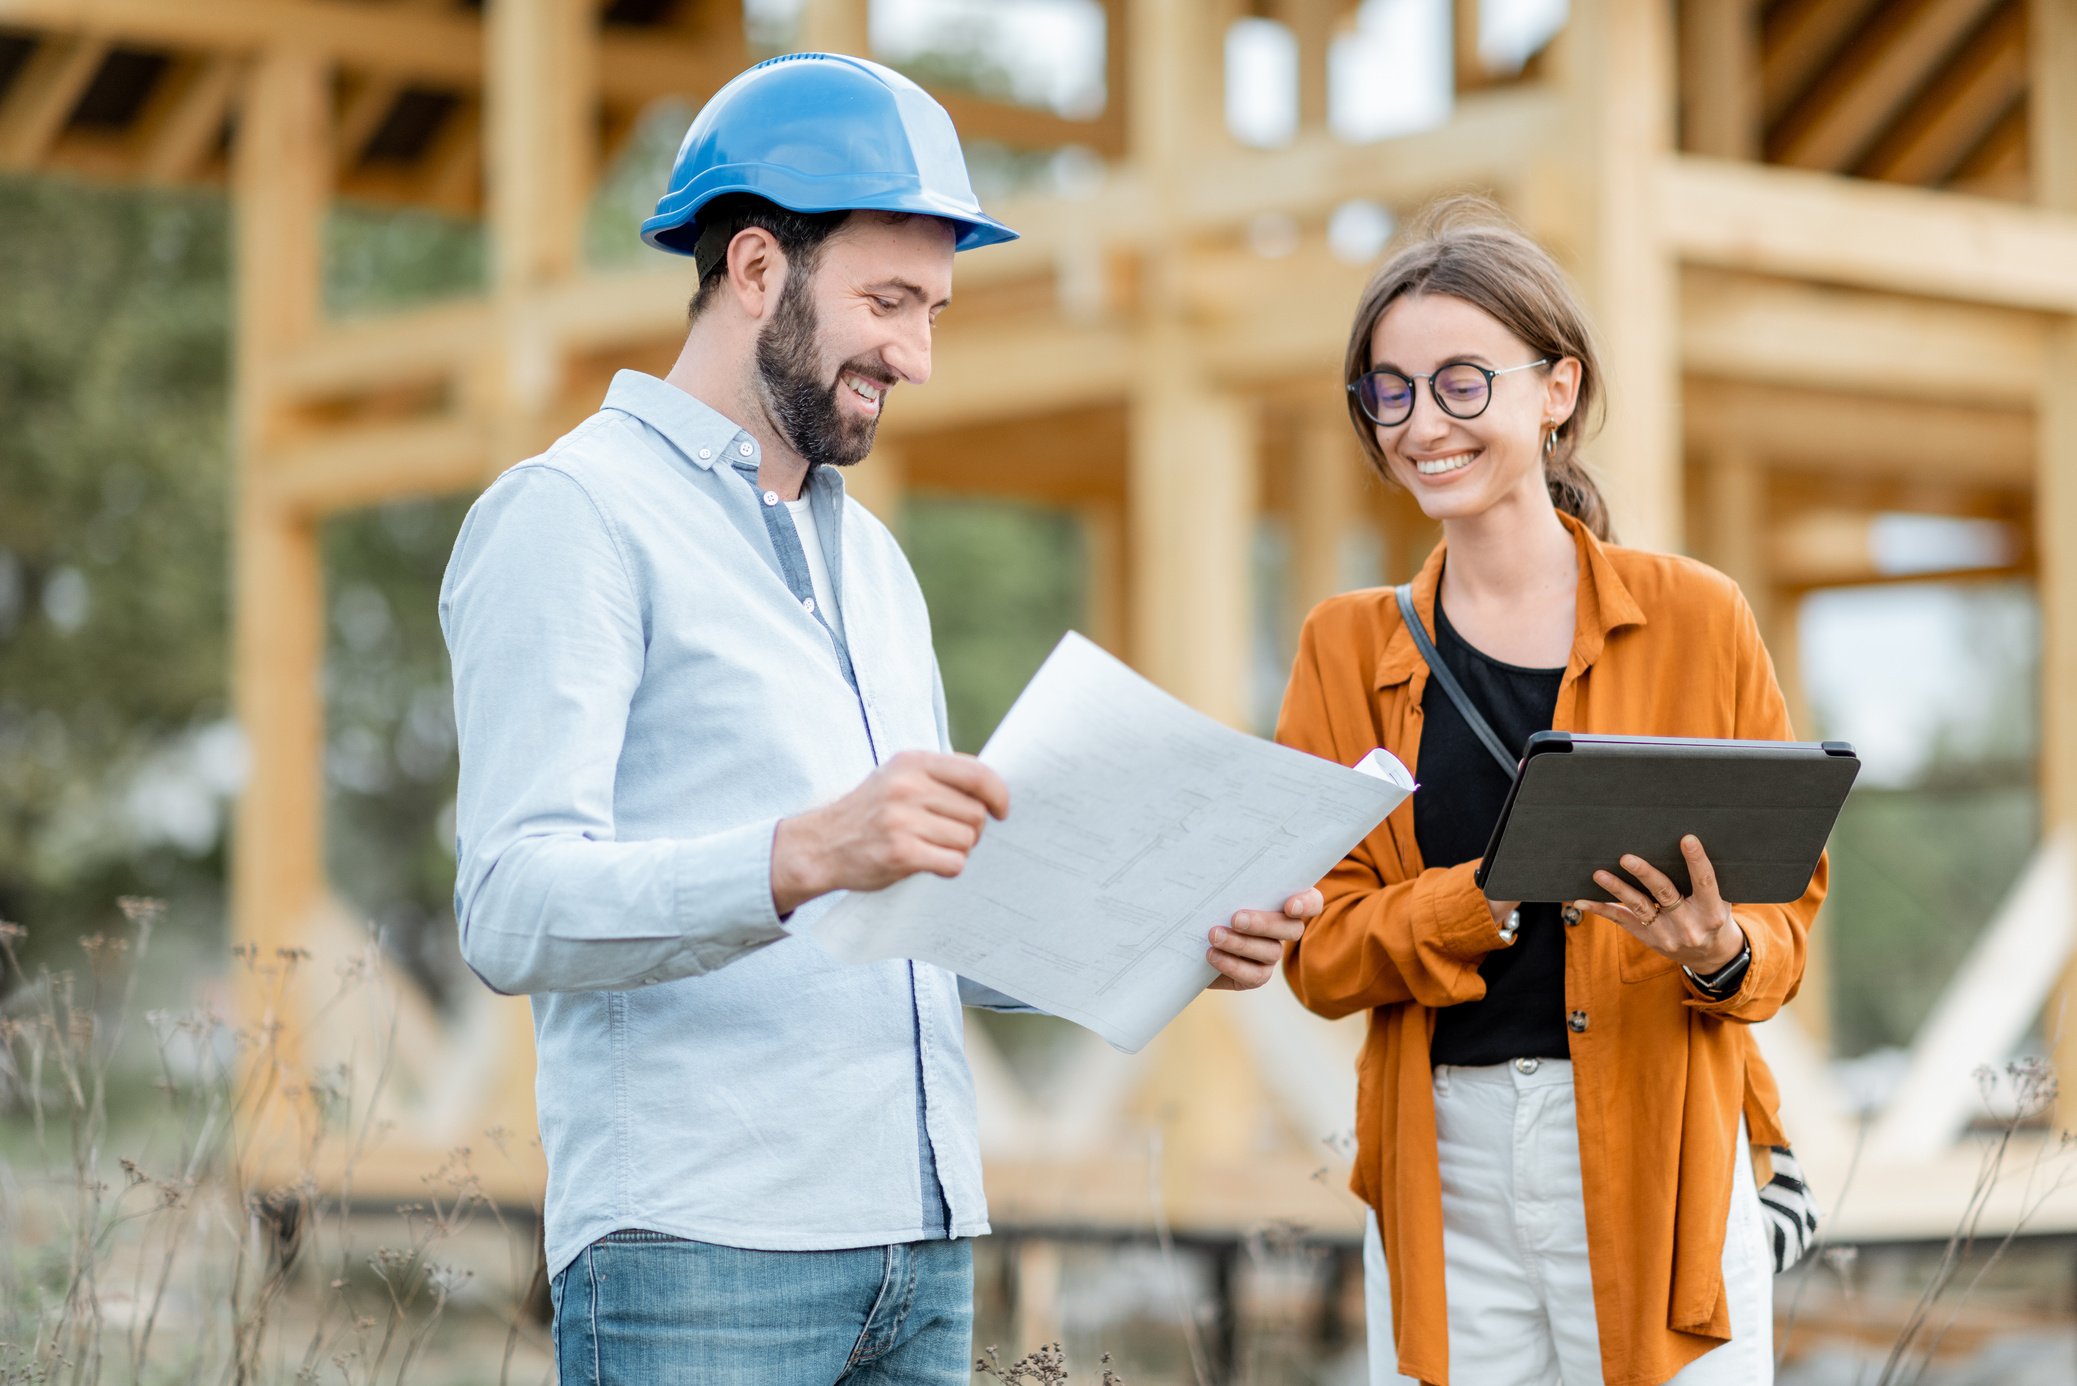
(822,132)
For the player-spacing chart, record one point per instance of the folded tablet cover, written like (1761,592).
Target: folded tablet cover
(1762,809)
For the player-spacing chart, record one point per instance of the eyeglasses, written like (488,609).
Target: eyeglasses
(1461,389)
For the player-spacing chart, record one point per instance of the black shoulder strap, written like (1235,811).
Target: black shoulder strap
(1440,672)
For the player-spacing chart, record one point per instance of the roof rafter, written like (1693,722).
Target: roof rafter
(1966,100)
(44,94)
(1885,66)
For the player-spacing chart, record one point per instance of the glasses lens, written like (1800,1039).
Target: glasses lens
(1386,398)
(1462,389)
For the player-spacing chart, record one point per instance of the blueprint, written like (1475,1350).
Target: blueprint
(1136,824)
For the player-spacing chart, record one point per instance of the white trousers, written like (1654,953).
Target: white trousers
(1514,1240)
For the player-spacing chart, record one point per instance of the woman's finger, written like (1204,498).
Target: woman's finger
(1624,892)
(1663,892)
(1700,869)
(1629,920)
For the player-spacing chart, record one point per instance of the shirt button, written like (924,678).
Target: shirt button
(771,498)
(1577,1021)
(745,449)
(808,605)
(1527,1065)
(706,453)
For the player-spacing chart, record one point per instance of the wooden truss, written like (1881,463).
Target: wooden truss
(1831,246)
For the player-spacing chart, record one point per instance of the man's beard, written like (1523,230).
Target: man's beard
(800,402)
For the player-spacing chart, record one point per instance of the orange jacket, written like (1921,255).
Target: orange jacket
(1662,646)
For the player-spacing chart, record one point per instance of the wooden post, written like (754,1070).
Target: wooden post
(1615,58)
(1733,538)
(281,183)
(2052,107)
(1326,505)
(1107,614)
(1720,78)
(1192,467)
(880,483)
(540,106)
(837,26)
(1313,24)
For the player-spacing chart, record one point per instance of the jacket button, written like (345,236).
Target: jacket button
(1569,914)
(1578,1021)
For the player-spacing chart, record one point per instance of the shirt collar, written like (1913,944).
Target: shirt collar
(1604,607)
(704,435)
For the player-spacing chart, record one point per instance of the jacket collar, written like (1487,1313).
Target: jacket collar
(1604,607)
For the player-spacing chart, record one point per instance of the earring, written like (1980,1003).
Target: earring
(1550,444)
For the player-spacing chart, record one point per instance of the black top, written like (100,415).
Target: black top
(1523,1010)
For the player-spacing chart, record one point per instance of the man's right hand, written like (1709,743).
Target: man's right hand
(921,811)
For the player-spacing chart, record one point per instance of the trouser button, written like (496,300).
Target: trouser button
(1527,1065)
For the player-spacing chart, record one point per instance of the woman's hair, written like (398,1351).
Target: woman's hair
(1465,247)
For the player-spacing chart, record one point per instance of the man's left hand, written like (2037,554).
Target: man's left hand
(1247,951)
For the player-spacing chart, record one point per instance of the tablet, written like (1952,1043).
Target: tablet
(1762,809)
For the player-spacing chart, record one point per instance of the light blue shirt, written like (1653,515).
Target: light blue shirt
(643,687)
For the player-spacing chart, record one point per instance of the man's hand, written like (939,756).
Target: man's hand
(921,811)
(1247,951)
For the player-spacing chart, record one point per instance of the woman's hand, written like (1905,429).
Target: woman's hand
(1247,951)
(1697,931)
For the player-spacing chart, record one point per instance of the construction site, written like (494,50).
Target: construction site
(1830,247)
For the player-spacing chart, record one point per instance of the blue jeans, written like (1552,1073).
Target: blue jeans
(637,1308)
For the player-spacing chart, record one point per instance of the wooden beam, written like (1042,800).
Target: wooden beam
(1491,140)
(1720,78)
(1814,336)
(1846,231)
(1800,38)
(1849,436)
(1940,128)
(1887,65)
(185,120)
(439,48)
(348,468)
(43,94)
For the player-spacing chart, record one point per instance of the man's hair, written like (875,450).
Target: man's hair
(800,236)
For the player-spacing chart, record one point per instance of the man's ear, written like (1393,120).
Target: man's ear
(756,270)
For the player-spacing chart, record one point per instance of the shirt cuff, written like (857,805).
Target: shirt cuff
(1459,920)
(724,893)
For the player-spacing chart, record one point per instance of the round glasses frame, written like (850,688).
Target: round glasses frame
(1485,398)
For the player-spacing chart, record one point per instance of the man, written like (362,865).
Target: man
(695,694)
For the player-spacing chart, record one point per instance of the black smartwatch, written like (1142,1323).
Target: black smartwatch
(1724,981)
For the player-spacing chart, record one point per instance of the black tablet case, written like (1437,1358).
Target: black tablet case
(1762,809)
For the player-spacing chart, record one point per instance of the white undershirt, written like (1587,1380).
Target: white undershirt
(818,567)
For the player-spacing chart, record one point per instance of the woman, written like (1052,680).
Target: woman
(1553,1104)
